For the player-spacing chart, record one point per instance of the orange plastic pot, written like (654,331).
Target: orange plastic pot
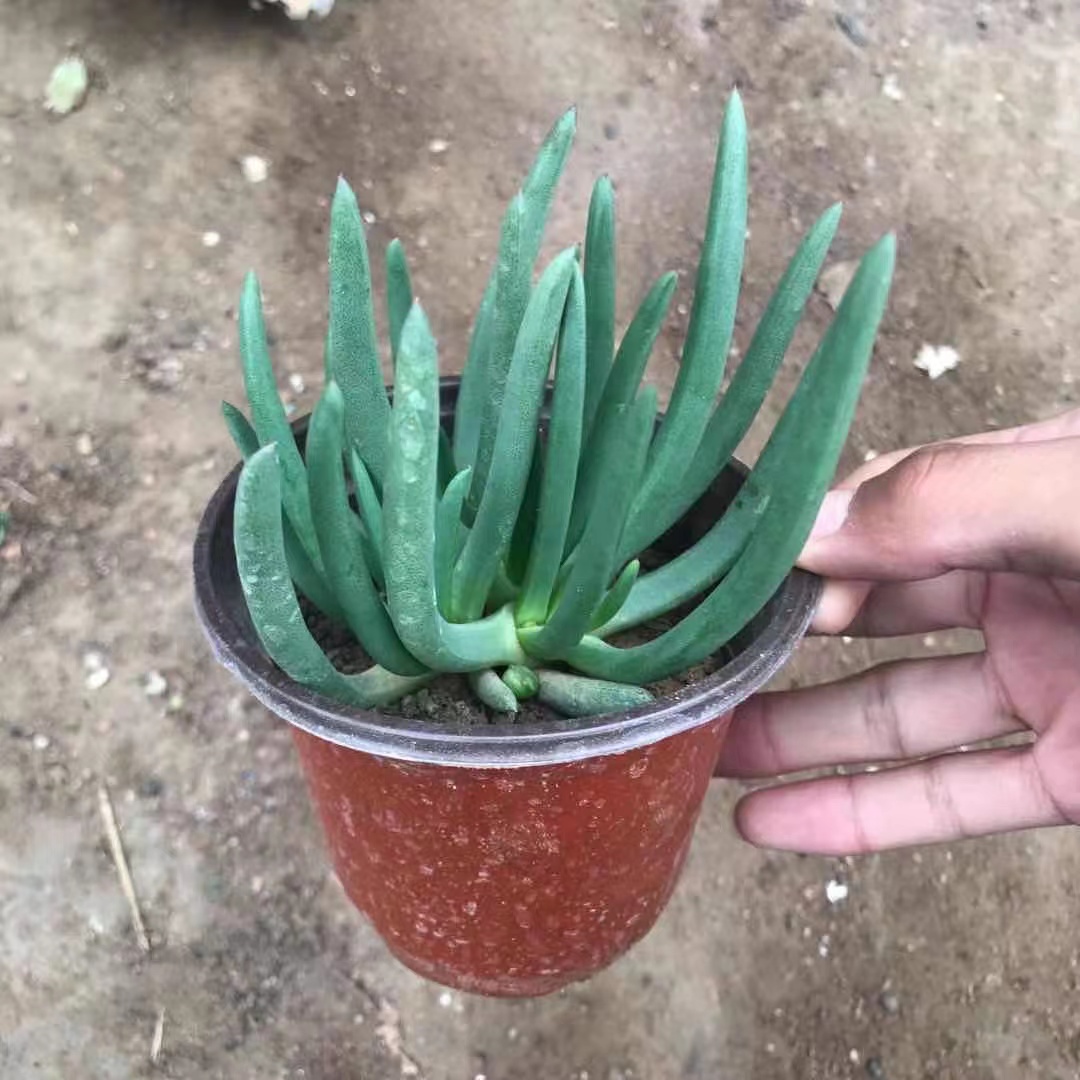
(509,859)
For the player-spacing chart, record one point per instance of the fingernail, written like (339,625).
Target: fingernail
(832,515)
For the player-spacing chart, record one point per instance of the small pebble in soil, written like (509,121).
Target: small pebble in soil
(154,684)
(836,892)
(84,445)
(96,669)
(889,1002)
(211,239)
(255,169)
(42,742)
(890,87)
(151,787)
(852,28)
(874,1069)
(438,146)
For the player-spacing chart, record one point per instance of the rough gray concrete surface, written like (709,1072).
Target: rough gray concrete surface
(954,122)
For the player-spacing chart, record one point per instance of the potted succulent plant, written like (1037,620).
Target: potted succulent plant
(542,599)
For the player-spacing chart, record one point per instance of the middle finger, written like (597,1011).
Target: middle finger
(901,710)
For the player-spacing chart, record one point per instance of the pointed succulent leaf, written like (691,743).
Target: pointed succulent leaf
(308,579)
(515,439)
(615,597)
(696,569)
(399,293)
(712,317)
(740,404)
(339,541)
(492,691)
(269,417)
(409,522)
(620,389)
(535,198)
(351,348)
(595,556)
(599,294)
(548,535)
(795,469)
(272,604)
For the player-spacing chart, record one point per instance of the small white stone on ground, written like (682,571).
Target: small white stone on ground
(67,87)
(211,239)
(890,87)
(255,169)
(438,146)
(154,684)
(84,445)
(936,360)
(836,891)
(97,678)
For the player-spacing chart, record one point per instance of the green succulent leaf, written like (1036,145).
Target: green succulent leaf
(599,294)
(515,439)
(270,420)
(712,317)
(522,681)
(615,597)
(271,601)
(594,561)
(548,533)
(371,531)
(576,695)
(351,348)
(308,579)
(704,564)
(492,691)
(620,388)
(740,404)
(399,292)
(450,533)
(794,469)
(339,541)
(491,346)
(409,523)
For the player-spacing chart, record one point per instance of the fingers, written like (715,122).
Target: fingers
(946,798)
(906,709)
(1067,425)
(860,608)
(949,507)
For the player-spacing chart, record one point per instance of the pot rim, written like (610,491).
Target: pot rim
(222,613)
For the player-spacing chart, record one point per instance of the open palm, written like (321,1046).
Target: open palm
(981,533)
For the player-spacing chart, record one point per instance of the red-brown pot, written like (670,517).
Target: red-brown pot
(509,859)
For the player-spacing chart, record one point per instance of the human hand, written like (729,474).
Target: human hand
(982,532)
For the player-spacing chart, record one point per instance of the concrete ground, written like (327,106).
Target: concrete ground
(125,229)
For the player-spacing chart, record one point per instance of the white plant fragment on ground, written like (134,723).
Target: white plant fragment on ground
(67,86)
(935,360)
(299,9)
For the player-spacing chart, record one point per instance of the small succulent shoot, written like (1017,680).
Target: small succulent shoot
(506,546)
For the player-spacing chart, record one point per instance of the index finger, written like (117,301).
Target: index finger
(956,506)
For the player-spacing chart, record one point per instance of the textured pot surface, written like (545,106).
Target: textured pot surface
(512,881)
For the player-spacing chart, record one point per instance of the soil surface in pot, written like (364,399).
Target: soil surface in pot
(449,698)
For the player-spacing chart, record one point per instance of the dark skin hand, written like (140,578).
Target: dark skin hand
(984,533)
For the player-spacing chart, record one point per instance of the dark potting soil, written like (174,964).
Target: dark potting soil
(449,699)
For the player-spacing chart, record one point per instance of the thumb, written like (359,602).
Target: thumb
(956,506)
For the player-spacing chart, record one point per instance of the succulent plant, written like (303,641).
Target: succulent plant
(507,550)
